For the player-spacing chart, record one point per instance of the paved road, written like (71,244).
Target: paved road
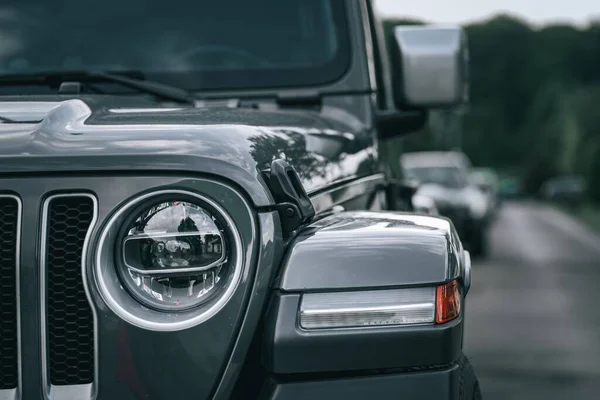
(533,313)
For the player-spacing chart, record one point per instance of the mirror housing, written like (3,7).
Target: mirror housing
(430,69)
(328,144)
(430,66)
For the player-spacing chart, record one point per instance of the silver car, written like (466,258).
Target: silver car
(444,177)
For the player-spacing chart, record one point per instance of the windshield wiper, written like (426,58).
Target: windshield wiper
(60,78)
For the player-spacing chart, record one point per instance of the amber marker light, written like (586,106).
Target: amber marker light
(448,302)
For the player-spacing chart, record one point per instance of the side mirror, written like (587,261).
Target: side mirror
(327,144)
(430,66)
(429,70)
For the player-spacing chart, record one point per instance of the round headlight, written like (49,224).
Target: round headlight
(173,254)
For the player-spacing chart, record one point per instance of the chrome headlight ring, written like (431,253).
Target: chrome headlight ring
(130,290)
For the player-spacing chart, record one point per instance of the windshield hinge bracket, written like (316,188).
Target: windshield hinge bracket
(292,201)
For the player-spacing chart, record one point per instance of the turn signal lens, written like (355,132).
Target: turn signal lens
(394,307)
(448,302)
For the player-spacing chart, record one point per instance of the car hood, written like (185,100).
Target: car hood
(86,134)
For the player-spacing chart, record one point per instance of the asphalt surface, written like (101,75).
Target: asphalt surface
(533,313)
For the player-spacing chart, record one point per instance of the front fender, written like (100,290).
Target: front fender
(360,250)
(365,251)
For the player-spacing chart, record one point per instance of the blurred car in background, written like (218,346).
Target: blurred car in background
(510,188)
(567,190)
(486,179)
(424,204)
(444,177)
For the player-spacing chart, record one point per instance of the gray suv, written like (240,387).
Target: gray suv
(192,205)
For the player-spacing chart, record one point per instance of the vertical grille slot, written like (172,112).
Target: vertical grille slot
(70,334)
(9,238)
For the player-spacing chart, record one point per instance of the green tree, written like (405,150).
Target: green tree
(535,100)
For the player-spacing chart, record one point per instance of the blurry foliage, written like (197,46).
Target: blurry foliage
(535,102)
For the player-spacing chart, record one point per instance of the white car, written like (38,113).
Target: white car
(444,178)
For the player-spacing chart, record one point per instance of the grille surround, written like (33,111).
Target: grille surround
(112,191)
(10,333)
(55,371)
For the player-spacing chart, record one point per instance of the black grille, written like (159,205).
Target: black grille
(69,316)
(9,215)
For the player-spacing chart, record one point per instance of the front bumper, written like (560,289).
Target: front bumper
(441,384)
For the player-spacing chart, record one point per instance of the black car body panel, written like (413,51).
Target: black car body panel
(435,384)
(120,154)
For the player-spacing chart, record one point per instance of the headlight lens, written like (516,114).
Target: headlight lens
(173,255)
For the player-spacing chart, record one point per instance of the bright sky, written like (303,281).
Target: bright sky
(461,11)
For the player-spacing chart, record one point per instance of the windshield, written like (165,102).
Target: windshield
(450,177)
(193,44)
